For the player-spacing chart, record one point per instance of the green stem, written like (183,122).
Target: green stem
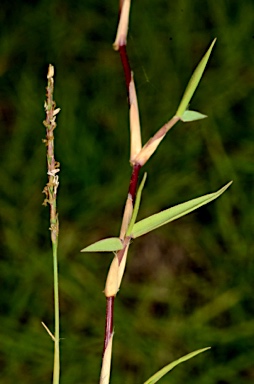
(51,194)
(56,371)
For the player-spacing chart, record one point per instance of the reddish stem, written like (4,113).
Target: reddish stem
(109,321)
(126,66)
(134,181)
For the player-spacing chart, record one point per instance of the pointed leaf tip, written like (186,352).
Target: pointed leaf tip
(111,244)
(161,218)
(194,81)
(192,116)
(158,375)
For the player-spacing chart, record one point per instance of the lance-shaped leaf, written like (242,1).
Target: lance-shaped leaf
(193,83)
(173,213)
(192,116)
(157,376)
(111,244)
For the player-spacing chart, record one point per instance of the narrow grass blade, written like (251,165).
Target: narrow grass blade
(136,206)
(170,214)
(158,375)
(192,116)
(111,244)
(193,83)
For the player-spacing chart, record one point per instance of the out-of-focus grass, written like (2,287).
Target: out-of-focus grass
(188,285)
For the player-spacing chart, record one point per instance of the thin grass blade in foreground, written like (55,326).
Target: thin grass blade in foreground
(50,191)
(162,372)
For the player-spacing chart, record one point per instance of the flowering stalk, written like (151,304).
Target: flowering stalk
(50,191)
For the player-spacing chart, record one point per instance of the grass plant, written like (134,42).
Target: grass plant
(139,155)
(130,229)
(188,284)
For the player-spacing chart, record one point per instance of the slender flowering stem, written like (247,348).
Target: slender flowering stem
(50,191)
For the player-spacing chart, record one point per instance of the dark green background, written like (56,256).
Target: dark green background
(187,285)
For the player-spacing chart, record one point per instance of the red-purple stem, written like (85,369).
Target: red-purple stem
(134,181)
(126,66)
(109,323)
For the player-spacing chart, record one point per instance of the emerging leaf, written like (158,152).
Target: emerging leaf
(111,244)
(170,214)
(158,375)
(137,204)
(192,116)
(193,83)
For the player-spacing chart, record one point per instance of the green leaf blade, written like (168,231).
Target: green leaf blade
(111,244)
(158,219)
(158,375)
(192,116)
(194,81)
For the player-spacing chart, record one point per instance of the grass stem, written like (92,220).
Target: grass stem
(56,369)
(50,191)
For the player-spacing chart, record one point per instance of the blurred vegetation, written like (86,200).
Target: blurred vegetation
(188,285)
